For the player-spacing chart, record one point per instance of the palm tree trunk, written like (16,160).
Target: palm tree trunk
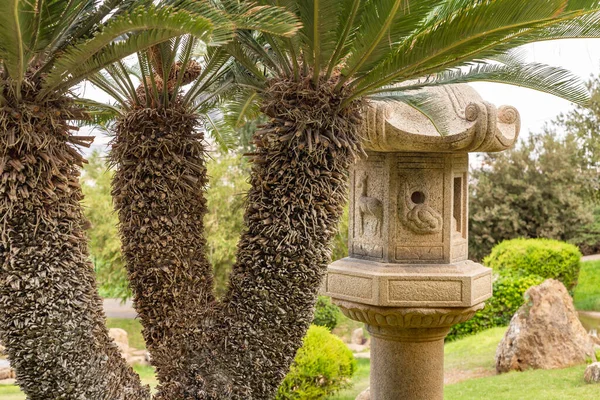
(158,189)
(296,199)
(51,316)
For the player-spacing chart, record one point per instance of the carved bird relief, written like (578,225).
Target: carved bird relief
(369,207)
(416,214)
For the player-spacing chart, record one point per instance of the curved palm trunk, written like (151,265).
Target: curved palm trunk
(298,189)
(158,189)
(51,317)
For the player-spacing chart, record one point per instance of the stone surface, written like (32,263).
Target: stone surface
(472,124)
(545,333)
(592,373)
(121,339)
(358,337)
(365,395)
(461,284)
(6,373)
(409,208)
(407,276)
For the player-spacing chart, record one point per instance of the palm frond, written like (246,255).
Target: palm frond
(241,108)
(273,20)
(150,26)
(16,25)
(541,77)
(220,131)
(386,24)
(463,35)
(316,33)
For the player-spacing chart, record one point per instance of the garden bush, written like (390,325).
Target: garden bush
(542,257)
(322,366)
(508,297)
(327,314)
(519,264)
(540,189)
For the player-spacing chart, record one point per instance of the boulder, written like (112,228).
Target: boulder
(6,373)
(365,395)
(358,337)
(592,373)
(545,333)
(121,339)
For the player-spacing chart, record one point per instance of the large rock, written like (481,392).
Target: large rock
(121,339)
(592,373)
(545,333)
(358,337)
(365,395)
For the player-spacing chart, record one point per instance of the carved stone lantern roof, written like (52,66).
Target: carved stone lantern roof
(474,125)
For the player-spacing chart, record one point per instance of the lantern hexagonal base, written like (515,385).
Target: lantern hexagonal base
(461,284)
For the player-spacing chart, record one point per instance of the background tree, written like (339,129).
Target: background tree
(538,190)
(547,187)
(51,319)
(105,246)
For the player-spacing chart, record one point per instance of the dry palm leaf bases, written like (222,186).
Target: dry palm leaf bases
(208,66)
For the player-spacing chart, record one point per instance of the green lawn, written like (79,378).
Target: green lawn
(562,384)
(11,392)
(133,327)
(587,292)
(360,382)
(472,353)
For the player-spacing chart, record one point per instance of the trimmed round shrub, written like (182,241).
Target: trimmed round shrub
(519,264)
(322,367)
(327,314)
(508,297)
(542,257)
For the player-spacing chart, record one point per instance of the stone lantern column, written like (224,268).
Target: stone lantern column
(408,277)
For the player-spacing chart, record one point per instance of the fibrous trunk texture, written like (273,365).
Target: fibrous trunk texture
(158,190)
(51,317)
(298,190)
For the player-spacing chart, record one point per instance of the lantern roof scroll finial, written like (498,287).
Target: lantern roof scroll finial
(473,124)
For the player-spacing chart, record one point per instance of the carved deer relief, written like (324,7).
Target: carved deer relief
(416,214)
(368,207)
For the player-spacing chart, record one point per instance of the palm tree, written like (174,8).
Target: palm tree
(159,152)
(51,318)
(313,87)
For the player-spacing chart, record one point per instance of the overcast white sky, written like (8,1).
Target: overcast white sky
(581,56)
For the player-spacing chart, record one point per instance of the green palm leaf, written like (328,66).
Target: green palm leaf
(461,36)
(16,24)
(540,77)
(387,23)
(153,26)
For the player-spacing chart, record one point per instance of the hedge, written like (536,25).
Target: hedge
(322,366)
(519,264)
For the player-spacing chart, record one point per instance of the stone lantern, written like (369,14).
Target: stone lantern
(408,277)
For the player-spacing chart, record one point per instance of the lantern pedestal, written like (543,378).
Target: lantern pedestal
(407,276)
(409,310)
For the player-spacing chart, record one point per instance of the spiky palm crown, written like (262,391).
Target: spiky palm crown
(390,49)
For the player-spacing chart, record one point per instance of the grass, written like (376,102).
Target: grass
(133,327)
(12,392)
(473,352)
(587,291)
(561,384)
(360,381)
